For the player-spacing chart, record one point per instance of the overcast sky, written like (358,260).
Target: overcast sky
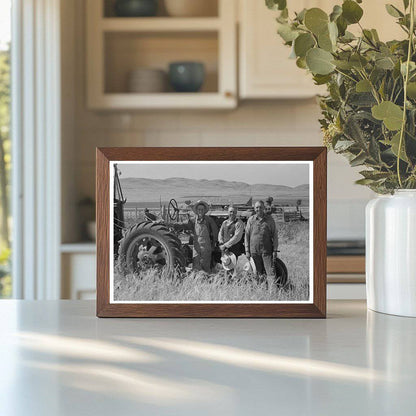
(286,173)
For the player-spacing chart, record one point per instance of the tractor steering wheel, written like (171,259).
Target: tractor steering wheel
(173,210)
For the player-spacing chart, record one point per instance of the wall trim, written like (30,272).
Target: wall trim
(36,143)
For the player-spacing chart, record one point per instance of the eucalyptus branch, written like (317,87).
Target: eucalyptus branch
(406,80)
(377,123)
(373,89)
(345,75)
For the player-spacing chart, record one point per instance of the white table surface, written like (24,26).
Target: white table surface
(57,358)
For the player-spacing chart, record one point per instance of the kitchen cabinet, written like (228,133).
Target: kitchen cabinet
(118,45)
(265,70)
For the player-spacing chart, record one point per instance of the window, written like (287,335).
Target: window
(5,145)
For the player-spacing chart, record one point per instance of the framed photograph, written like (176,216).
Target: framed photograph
(211,232)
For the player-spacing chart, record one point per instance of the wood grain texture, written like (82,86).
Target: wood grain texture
(317,309)
(346,264)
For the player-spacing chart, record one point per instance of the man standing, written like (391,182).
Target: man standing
(261,240)
(205,233)
(231,233)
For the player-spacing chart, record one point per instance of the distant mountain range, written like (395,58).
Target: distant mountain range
(140,190)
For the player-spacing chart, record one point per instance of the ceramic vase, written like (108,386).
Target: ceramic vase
(391,253)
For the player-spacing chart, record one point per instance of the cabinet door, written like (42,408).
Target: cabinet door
(265,68)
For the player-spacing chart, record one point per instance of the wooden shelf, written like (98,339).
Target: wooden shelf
(159,24)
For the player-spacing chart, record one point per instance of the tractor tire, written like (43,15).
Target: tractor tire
(150,245)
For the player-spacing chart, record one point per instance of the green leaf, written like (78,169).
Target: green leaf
(336,12)
(333,32)
(284,14)
(363,86)
(303,43)
(393,11)
(276,4)
(361,99)
(411,90)
(385,63)
(321,79)
(316,20)
(343,145)
(412,67)
(394,144)
(300,17)
(364,181)
(286,32)
(374,150)
(351,11)
(319,61)
(368,36)
(358,61)
(301,63)
(406,4)
(342,25)
(325,43)
(391,114)
(374,175)
(358,160)
(375,35)
(343,65)
(347,37)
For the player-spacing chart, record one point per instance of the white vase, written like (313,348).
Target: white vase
(391,253)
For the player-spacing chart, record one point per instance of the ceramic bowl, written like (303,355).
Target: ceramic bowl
(136,8)
(147,80)
(186,76)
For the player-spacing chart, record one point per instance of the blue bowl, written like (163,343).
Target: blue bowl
(186,76)
(135,8)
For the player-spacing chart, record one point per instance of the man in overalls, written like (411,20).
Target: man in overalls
(205,233)
(261,240)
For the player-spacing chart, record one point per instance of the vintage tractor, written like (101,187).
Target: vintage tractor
(146,244)
(164,243)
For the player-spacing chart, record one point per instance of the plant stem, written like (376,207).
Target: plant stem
(345,75)
(406,80)
(373,89)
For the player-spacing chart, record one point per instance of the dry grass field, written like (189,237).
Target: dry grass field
(155,286)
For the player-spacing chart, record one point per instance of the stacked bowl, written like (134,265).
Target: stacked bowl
(147,80)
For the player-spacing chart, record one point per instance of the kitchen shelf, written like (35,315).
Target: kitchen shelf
(80,247)
(131,101)
(116,46)
(159,24)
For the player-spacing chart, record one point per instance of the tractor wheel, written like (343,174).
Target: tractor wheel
(281,275)
(149,245)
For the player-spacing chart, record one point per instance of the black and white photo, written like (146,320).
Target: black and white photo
(211,231)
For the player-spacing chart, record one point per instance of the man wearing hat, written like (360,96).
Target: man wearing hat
(261,240)
(205,233)
(231,233)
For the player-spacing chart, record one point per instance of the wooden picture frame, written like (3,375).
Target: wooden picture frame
(315,307)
